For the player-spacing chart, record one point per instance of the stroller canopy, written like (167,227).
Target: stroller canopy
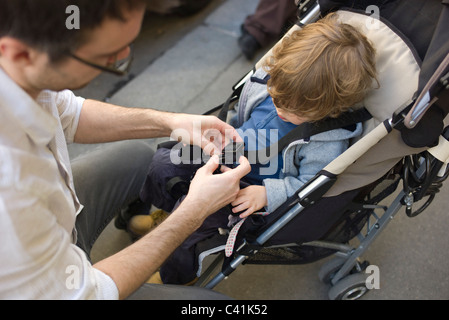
(422,30)
(425,26)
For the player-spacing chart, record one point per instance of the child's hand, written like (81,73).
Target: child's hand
(251,198)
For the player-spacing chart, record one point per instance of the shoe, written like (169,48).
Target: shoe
(140,225)
(135,208)
(248,44)
(155,278)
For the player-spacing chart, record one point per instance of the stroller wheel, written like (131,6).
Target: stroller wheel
(329,269)
(352,287)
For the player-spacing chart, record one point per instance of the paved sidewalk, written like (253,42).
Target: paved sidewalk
(192,68)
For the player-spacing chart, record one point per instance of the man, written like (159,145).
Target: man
(43,254)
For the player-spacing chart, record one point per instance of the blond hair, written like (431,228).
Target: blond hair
(321,70)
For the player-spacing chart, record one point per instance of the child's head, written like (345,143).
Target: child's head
(321,70)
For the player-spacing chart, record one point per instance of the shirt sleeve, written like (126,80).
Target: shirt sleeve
(69,107)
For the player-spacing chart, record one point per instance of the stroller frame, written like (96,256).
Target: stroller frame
(345,272)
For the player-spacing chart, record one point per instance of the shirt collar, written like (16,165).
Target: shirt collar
(36,121)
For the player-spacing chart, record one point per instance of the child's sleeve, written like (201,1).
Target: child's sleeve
(310,160)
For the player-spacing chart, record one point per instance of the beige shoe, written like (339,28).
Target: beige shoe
(140,225)
(155,278)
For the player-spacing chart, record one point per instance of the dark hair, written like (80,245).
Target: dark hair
(41,24)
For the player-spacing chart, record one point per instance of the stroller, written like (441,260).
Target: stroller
(404,152)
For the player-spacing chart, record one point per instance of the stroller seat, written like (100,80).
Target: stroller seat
(342,201)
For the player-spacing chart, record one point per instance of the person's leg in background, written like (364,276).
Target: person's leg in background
(266,25)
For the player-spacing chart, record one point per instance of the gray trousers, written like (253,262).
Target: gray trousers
(107,178)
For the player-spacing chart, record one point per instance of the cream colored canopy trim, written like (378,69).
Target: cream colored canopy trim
(441,151)
(339,165)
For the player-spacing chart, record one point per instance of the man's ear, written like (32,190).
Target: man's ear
(16,51)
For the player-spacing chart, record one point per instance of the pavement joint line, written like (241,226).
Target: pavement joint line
(221,30)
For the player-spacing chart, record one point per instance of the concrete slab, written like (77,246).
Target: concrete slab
(159,33)
(217,91)
(231,15)
(182,72)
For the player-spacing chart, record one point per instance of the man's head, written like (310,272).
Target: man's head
(321,70)
(37,48)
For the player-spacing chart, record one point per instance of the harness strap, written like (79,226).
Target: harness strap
(230,243)
(308,129)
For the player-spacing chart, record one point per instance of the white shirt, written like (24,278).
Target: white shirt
(38,204)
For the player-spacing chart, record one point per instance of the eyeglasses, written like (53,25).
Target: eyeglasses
(118,67)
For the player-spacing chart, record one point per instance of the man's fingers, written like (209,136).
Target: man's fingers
(225,169)
(212,164)
(232,134)
(213,142)
(209,147)
(243,168)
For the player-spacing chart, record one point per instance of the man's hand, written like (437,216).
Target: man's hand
(208,132)
(211,192)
